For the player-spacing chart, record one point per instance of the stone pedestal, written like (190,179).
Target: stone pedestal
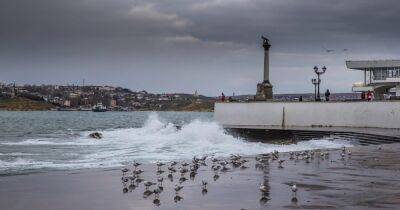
(264,91)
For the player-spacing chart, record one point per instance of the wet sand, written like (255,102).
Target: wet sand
(369,178)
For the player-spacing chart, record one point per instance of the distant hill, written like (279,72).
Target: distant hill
(24,104)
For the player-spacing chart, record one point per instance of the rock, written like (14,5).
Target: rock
(96,135)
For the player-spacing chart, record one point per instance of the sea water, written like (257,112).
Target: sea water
(43,141)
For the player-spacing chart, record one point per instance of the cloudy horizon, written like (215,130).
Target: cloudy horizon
(211,46)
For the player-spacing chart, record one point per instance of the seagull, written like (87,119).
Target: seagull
(192,174)
(132,178)
(216,176)
(291,155)
(214,160)
(294,189)
(160,180)
(177,188)
(136,164)
(147,193)
(223,163)
(132,186)
(147,184)
(215,167)
(171,177)
(137,172)
(182,179)
(183,171)
(195,160)
(159,164)
(204,184)
(173,163)
(243,167)
(138,180)
(328,50)
(156,200)
(263,189)
(157,191)
(280,163)
(204,187)
(203,158)
(225,169)
(171,169)
(177,198)
(125,190)
(124,171)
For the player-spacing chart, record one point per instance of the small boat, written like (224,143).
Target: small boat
(99,108)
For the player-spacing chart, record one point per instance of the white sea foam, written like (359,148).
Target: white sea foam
(47,142)
(163,141)
(17,154)
(155,140)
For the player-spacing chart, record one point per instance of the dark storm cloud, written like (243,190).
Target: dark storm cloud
(184,45)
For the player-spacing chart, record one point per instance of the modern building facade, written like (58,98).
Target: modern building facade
(380,76)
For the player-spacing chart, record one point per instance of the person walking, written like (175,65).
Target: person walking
(222,97)
(327,94)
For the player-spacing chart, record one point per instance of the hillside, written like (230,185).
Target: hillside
(23,104)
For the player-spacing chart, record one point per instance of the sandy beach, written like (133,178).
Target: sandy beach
(366,179)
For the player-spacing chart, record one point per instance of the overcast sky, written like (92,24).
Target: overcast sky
(187,45)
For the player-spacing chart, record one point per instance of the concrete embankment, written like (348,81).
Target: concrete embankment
(377,114)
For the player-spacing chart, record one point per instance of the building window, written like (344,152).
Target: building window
(384,73)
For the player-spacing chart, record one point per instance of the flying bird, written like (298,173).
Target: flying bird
(328,50)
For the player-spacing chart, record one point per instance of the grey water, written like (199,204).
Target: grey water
(50,140)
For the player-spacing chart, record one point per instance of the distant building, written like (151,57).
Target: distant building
(73,95)
(67,103)
(113,103)
(380,76)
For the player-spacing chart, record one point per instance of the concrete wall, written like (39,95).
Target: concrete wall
(342,114)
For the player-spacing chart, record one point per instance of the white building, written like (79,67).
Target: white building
(380,76)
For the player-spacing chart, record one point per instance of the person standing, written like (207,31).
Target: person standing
(327,94)
(363,96)
(222,97)
(369,95)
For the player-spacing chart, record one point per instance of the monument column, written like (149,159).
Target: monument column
(264,89)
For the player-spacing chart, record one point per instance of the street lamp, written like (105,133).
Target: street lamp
(315,83)
(319,72)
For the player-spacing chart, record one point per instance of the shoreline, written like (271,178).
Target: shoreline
(366,179)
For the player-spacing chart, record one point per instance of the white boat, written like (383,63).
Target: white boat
(99,108)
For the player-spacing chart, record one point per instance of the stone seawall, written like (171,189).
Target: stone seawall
(377,114)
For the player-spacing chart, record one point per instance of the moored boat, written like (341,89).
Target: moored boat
(99,107)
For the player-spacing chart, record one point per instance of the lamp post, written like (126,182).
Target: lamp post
(319,72)
(315,83)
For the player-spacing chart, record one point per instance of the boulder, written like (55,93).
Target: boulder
(96,135)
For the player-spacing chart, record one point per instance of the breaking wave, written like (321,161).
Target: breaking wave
(156,140)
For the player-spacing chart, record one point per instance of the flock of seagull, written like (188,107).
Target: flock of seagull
(131,177)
